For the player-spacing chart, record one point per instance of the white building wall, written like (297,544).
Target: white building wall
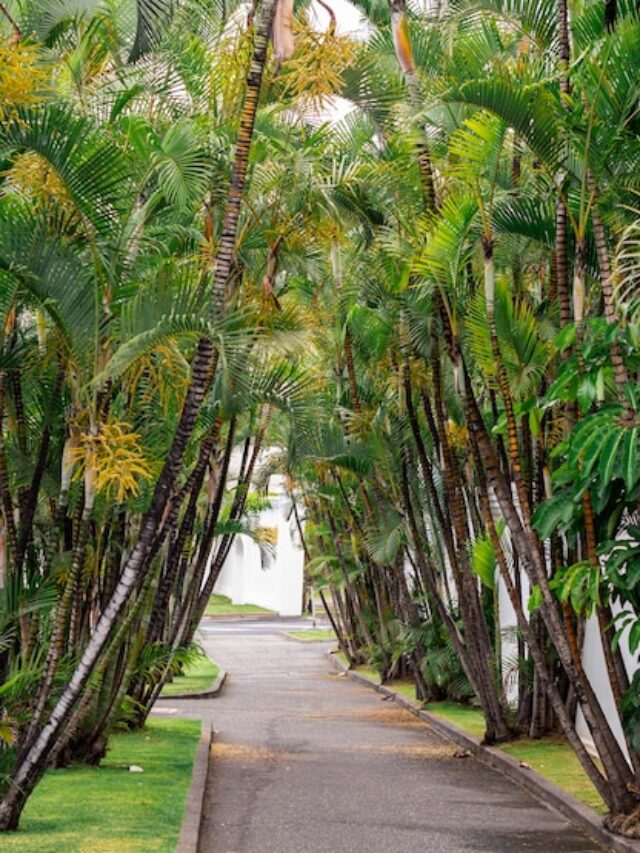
(592,658)
(509,636)
(592,653)
(275,582)
(596,670)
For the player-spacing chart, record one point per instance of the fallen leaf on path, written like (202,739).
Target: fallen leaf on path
(462,753)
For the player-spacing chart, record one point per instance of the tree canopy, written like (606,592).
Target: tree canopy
(428,307)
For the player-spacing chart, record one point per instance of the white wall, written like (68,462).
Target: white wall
(592,659)
(275,583)
(596,670)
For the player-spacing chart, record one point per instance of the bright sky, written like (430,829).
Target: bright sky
(350,21)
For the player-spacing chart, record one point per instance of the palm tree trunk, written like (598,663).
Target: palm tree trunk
(5,493)
(562,265)
(342,643)
(606,283)
(477,637)
(610,14)
(537,651)
(430,579)
(613,759)
(30,768)
(31,498)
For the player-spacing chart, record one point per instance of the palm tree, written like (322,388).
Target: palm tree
(386,298)
(40,741)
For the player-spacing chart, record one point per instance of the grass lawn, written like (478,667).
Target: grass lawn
(466,717)
(552,758)
(557,762)
(198,676)
(313,635)
(407,687)
(220,605)
(368,671)
(107,809)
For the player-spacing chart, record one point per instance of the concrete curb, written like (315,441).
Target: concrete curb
(574,811)
(241,617)
(190,831)
(209,693)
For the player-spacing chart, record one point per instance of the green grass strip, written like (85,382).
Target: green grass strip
(557,762)
(466,717)
(220,605)
(313,635)
(107,809)
(198,676)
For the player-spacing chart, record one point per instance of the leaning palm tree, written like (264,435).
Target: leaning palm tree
(43,734)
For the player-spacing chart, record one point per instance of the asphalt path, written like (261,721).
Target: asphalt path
(306,761)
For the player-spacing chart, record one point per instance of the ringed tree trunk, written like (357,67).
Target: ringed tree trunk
(31,763)
(562,264)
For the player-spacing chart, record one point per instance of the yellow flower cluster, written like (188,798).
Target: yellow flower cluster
(117,459)
(314,73)
(163,372)
(23,78)
(32,176)
(457,434)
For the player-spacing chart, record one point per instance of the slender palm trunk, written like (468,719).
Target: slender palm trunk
(30,768)
(477,638)
(561,259)
(615,764)
(606,283)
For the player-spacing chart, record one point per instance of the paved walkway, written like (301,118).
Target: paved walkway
(305,761)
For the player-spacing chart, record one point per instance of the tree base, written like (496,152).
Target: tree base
(627,825)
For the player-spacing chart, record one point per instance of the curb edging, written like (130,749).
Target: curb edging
(192,818)
(578,814)
(209,693)
(241,617)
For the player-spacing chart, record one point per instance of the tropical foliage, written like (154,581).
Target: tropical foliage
(429,306)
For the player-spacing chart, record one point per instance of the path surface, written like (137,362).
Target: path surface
(305,761)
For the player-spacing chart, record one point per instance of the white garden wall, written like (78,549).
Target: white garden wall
(274,581)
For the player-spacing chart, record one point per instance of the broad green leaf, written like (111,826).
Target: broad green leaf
(483,561)
(608,457)
(535,599)
(566,337)
(630,471)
